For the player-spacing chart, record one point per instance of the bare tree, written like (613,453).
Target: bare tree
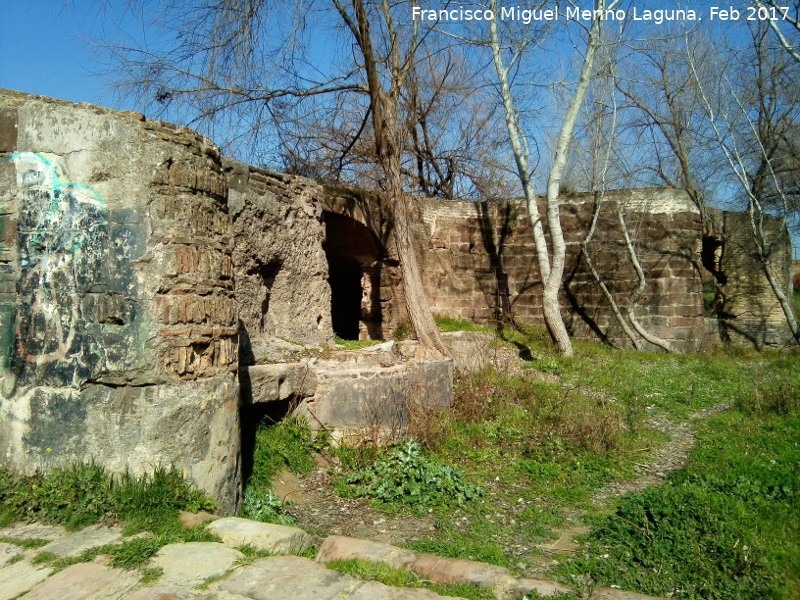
(603,140)
(784,21)
(249,64)
(551,257)
(750,130)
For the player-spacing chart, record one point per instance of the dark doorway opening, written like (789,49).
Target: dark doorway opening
(354,267)
(346,293)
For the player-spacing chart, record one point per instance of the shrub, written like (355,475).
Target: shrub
(405,476)
(263,505)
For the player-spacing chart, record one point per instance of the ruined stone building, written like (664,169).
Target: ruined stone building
(145,281)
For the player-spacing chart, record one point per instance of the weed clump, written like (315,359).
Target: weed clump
(404,475)
(263,505)
(288,444)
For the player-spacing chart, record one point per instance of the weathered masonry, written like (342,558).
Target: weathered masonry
(118,320)
(156,299)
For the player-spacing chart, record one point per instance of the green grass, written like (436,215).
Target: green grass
(150,575)
(724,527)
(448,324)
(26,544)
(83,493)
(289,444)
(541,446)
(385,574)
(355,344)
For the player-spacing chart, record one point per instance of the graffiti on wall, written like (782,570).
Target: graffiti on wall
(51,330)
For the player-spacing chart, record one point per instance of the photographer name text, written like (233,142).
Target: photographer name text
(657,16)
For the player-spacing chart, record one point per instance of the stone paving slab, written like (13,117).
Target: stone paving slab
(340,547)
(277,578)
(7,552)
(277,539)
(32,531)
(20,577)
(75,544)
(168,592)
(373,590)
(191,563)
(190,519)
(450,571)
(435,568)
(611,594)
(85,581)
(287,578)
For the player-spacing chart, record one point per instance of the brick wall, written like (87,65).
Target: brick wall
(480,262)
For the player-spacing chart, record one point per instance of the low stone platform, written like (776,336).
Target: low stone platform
(218,571)
(355,394)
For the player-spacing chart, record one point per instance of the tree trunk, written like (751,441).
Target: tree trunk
(417,303)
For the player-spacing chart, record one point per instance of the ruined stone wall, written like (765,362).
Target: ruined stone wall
(118,323)
(383,307)
(746,305)
(480,262)
(280,266)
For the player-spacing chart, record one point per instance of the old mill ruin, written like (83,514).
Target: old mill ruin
(155,297)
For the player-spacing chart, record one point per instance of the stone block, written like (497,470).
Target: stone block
(337,547)
(449,571)
(372,590)
(189,519)
(85,581)
(74,544)
(268,537)
(281,381)
(191,563)
(169,592)
(7,552)
(18,578)
(288,578)
(8,130)
(32,531)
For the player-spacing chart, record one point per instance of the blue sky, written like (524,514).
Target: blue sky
(47,47)
(44,50)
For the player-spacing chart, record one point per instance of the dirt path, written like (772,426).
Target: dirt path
(670,457)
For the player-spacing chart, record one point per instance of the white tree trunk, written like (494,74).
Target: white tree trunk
(551,268)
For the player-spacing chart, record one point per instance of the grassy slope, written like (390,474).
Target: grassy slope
(540,447)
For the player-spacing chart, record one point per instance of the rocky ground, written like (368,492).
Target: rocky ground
(220,571)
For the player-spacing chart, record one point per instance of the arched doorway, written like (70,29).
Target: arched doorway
(354,274)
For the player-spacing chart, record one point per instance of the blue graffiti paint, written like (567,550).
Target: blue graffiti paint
(68,200)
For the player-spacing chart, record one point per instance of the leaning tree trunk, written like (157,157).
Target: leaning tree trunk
(419,310)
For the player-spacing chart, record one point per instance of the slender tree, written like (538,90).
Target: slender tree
(551,256)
